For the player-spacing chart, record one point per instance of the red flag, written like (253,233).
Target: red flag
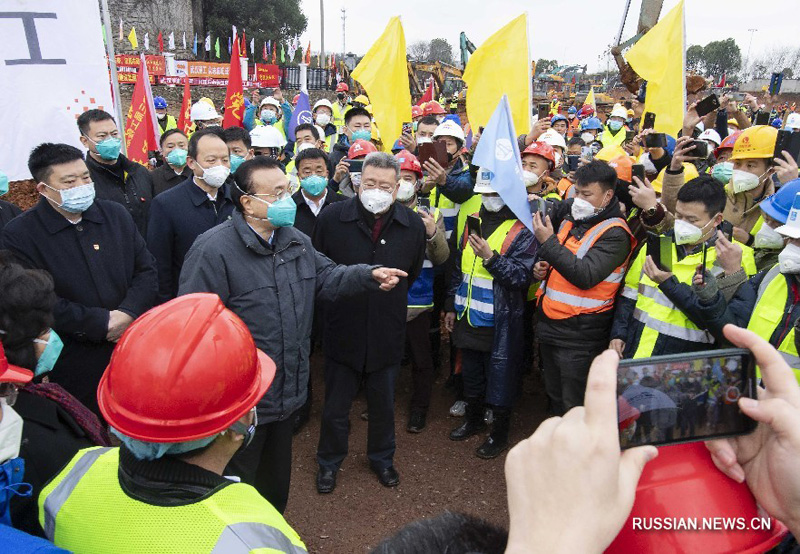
(721,82)
(274,53)
(244,44)
(185,119)
(160,43)
(140,125)
(264,52)
(234,95)
(308,54)
(428,96)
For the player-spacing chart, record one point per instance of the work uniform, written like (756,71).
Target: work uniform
(609,139)
(338,116)
(166,124)
(87,508)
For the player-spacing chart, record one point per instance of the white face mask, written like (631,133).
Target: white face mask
(530,179)
(558,159)
(376,201)
(406,190)
(768,238)
(582,209)
(587,138)
(305,146)
(10,432)
(742,181)
(492,203)
(215,176)
(323,119)
(686,233)
(161,115)
(789,259)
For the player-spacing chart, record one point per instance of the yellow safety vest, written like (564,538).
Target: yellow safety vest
(657,312)
(338,116)
(84,509)
(769,312)
(471,206)
(171,124)
(612,140)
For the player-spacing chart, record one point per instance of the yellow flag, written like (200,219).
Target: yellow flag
(384,75)
(132,38)
(659,58)
(501,66)
(590,101)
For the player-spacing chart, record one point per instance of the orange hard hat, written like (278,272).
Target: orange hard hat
(416,111)
(360,148)
(11,373)
(727,142)
(342,87)
(623,166)
(433,108)
(542,149)
(183,371)
(409,162)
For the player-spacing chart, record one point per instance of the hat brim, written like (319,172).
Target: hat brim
(16,374)
(484,189)
(770,210)
(789,231)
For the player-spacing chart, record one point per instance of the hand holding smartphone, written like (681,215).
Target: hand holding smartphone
(474,225)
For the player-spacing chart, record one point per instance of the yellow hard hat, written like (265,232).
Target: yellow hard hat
(609,153)
(755,142)
(208,101)
(361,99)
(733,122)
(689,173)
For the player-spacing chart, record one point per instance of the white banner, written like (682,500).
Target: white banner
(52,68)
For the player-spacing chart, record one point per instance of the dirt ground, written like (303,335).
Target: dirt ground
(436,474)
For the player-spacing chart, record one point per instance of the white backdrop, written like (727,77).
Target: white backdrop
(41,99)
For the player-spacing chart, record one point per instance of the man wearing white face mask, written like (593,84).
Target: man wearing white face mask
(323,116)
(614,129)
(181,214)
(767,242)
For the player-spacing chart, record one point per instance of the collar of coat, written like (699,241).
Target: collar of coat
(351,212)
(282,239)
(55,222)
(199,196)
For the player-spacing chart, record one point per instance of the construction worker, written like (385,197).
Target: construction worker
(767,242)
(538,160)
(591,127)
(357,126)
(323,116)
(559,145)
(204,114)
(163,489)
(484,314)
(416,115)
(454,104)
(165,121)
(560,124)
(655,313)
(435,109)
(574,122)
(614,129)
(270,113)
(344,181)
(340,107)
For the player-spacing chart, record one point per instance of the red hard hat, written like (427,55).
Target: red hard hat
(185,370)
(11,373)
(727,142)
(585,111)
(360,149)
(433,108)
(416,111)
(409,162)
(544,150)
(342,87)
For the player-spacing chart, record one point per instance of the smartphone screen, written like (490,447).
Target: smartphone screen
(727,230)
(789,141)
(700,149)
(684,397)
(424,203)
(473,225)
(707,105)
(407,129)
(649,121)
(355,166)
(572,162)
(544,111)
(637,170)
(587,152)
(762,118)
(630,135)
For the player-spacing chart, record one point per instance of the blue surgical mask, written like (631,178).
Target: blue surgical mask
(615,125)
(281,213)
(268,117)
(77,199)
(3,183)
(177,157)
(50,355)
(236,161)
(722,172)
(108,149)
(362,134)
(314,184)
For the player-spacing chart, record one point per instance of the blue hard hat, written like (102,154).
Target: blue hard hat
(777,123)
(572,109)
(160,102)
(558,117)
(591,123)
(452,117)
(670,145)
(397,147)
(778,205)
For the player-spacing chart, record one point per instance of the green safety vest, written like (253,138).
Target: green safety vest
(471,206)
(171,124)
(657,312)
(338,116)
(768,314)
(612,140)
(84,509)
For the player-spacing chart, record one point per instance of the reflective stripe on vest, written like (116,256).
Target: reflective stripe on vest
(769,313)
(238,537)
(420,294)
(449,211)
(692,335)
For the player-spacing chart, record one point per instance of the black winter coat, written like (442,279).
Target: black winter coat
(8,211)
(305,220)
(165,178)
(126,183)
(367,332)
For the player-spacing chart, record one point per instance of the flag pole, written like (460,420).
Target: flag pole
(112,63)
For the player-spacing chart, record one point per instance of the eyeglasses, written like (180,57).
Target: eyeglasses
(280,196)
(367,185)
(9,391)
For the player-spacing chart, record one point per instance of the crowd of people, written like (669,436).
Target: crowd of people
(173,311)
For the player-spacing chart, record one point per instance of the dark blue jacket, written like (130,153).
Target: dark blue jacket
(98,265)
(458,186)
(177,217)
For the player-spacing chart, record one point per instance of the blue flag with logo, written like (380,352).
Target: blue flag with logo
(498,153)
(301,114)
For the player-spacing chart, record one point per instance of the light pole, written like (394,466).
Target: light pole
(321,31)
(747,62)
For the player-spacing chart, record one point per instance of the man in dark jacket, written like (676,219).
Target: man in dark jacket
(364,337)
(183,213)
(174,171)
(268,273)
(104,276)
(115,177)
(314,195)
(582,268)
(357,125)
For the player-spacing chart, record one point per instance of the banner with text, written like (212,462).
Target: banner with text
(128,66)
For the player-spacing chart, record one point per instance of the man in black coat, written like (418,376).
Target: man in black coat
(185,212)
(313,197)
(364,337)
(104,276)
(115,177)
(174,171)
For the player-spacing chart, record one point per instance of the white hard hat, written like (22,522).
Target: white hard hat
(270,101)
(201,111)
(711,135)
(792,227)
(619,111)
(483,182)
(323,102)
(793,122)
(554,138)
(267,136)
(450,129)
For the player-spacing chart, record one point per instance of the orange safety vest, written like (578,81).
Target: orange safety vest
(560,298)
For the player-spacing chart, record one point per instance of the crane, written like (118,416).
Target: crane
(648,17)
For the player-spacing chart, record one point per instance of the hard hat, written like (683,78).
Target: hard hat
(554,138)
(267,136)
(433,108)
(791,221)
(689,173)
(208,101)
(12,373)
(450,129)
(483,182)
(360,149)
(755,142)
(793,122)
(409,162)
(270,101)
(452,117)
(712,136)
(361,99)
(416,111)
(558,117)
(619,111)
(590,124)
(543,149)
(608,153)
(777,123)
(396,147)
(160,102)
(183,371)
(201,111)
(630,113)
(295,99)
(342,87)
(683,480)
(323,102)
(727,142)
(572,109)
(733,123)
(585,111)
(623,166)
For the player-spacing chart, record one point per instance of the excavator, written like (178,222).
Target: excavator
(447,77)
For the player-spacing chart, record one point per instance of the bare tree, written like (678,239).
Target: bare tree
(774,60)
(419,51)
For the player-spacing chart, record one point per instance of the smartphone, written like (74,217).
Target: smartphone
(424,203)
(637,170)
(762,118)
(630,135)
(738,96)
(544,111)
(707,105)
(727,230)
(628,104)
(407,129)
(572,162)
(649,121)
(659,247)
(700,149)
(473,225)
(655,140)
(433,151)
(684,397)
(705,256)
(587,152)
(789,141)
(355,166)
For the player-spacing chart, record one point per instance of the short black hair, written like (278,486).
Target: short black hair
(232,134)
(216,131)
(597,172)
(168,133)
(352,112)
(243,178)
(706,190)
(450,532)
(428,120)
(26,309)
(576,140)
(310,154)
(308,127)
(48,154)
(90,116)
